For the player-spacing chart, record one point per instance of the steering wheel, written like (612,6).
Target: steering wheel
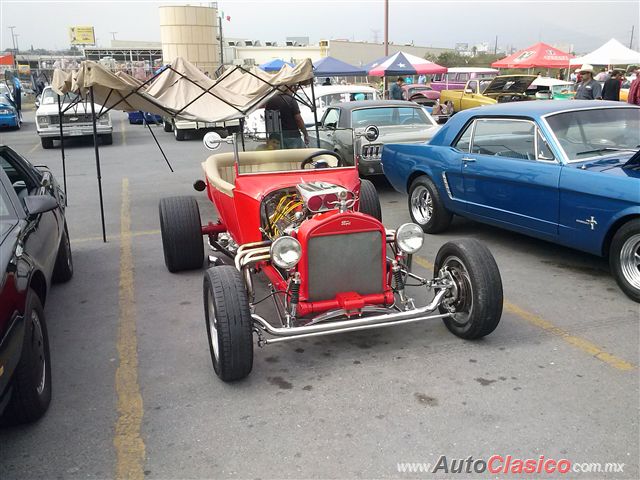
(309,159)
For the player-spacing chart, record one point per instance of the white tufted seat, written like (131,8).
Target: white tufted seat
(220,169)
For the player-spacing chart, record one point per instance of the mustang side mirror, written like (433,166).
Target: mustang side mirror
(40,204)
(212,140)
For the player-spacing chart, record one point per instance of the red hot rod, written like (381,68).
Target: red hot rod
(314,229)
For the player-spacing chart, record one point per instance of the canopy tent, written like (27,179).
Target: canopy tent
(332,67)
(6,59)
(274,65)
(538,55)
(179,90)
(611,53)
(402,63)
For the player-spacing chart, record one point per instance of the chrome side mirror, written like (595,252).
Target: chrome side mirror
(213,140)
(371,133)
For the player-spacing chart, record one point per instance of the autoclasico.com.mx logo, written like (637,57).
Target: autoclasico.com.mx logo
(507,464)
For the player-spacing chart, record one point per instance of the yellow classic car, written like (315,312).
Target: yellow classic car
(501,89)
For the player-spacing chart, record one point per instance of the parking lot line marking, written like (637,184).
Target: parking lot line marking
(130,449)
(123,129)
(580,343)
(34,148)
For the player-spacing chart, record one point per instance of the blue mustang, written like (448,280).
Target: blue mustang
(563,171)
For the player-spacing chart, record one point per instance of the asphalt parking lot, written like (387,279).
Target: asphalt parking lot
(134,390)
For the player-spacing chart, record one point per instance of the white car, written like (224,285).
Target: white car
(325,95)
(182,128)
(76,121)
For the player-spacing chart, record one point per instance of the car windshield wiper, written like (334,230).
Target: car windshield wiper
(605,149)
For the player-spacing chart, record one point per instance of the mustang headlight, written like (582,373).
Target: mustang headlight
(6,111)
(409,238)
(286,252)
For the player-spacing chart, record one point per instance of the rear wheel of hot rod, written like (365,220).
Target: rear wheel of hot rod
(369,200)
(477,294)
(229,324)
(181,233)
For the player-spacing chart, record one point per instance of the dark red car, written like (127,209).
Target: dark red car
(34,251)
(421,94)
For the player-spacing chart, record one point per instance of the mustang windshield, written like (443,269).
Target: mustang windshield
(585,134)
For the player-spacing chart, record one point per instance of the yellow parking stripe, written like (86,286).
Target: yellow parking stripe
(123,129)
(34,148)
(130,449)
(580,343)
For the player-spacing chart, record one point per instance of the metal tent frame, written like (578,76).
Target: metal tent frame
(220,75)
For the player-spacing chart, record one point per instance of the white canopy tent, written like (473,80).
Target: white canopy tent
(611,53)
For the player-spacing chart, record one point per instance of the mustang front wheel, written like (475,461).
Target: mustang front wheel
(181,233)
(425,206)
(229,324)
(624,259)
(476,297)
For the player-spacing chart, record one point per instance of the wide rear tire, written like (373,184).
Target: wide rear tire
(181,233)
(179,134)
(369,200)
(228,322)
(31,392)
(624,259)
(479,298)
(426,207)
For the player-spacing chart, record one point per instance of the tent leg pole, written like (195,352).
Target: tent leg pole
(97,154)
(64,167)
(242,132)
(157,143)
(315,113)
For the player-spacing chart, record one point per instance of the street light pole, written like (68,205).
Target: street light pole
(386,28)
(15,50)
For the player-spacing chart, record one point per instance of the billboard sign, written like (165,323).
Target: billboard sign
(82,35)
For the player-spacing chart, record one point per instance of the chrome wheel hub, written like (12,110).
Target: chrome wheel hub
(421,205)
(460,301)
(630,260)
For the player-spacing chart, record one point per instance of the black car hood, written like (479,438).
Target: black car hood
(509,84)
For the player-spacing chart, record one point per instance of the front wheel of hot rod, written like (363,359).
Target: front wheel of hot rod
(476,298)
(181,233)
(369,200)
(228,321)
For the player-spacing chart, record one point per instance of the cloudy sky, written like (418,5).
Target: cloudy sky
(585,24)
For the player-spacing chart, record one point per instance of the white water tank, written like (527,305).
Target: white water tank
(190,32)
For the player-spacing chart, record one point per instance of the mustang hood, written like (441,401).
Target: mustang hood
(625,164)
(633,162)
(509,84)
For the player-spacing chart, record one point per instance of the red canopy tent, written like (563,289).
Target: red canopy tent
(539,55)
(6,59)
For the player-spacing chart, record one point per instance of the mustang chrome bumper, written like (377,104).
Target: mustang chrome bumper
(365,323)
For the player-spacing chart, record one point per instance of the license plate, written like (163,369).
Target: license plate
(75,133)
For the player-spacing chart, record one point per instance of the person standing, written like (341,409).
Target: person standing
(611,88)
(603,76)
(291,121)
(395,92)
(422,79)
(588,88)
(634,90)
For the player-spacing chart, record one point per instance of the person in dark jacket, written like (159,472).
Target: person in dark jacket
(611,88)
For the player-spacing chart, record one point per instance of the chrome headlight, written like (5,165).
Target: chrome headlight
(286,252)
(409,238)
